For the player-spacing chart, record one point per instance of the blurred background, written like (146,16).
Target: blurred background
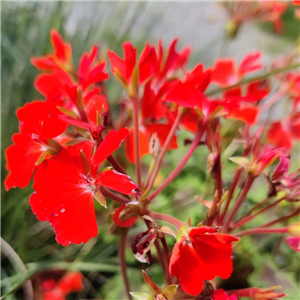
(25,28)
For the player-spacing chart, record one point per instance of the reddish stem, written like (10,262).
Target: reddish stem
(243,221)
(166,218)
(116,164)
(113,196)
(260,230)
(254,208)
(184,160)
(167,259)
(238,203)
(136,140)
(122,261)
(164,150)
(231,192)
(292,214)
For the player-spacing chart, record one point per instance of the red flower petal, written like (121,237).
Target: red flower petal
(278,137)
(162,131)
(224,72)
(96,105)
(152,107)
(147,63)
(130,58)
(86,61)
(222,295)
(65,194)
(247,114)
(128,222)
(110,143)
(46,63)
(293,242)
(117,181)
(250,63)
(58,45)
(75,222)
(71,282)
(190,121)
(38,207)
(53,84)
(126,66)
(129,144)
(22,158)
(86,147)
(35,118)
(186,95)
(191,269)
(281,169)
(96,75)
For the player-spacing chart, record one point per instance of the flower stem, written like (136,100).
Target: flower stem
(136,140)
(182,163)
(164,150)
(294,213)
(116,164)
(166,218)
(261,231)
(259,205)
(253,79)
(249,218)
(122,261)
(113,196)
(167,259)
(238,203)
(231,192)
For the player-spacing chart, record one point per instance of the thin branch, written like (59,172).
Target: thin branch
(182,163)
(113,196)
(261,231)
(164,150)
(137,141)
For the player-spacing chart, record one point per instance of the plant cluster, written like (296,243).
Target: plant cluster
(66,143)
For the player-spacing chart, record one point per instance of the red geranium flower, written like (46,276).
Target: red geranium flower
(147,62)
(59,66)
(65,187)
(62,56)
(201,254)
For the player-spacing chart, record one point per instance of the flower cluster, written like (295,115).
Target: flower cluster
(66,144)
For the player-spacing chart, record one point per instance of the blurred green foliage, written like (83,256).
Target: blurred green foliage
(25,33)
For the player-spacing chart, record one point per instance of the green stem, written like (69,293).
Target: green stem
(253,79)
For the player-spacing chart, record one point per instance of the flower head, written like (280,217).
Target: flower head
(66,185)
(201,254)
